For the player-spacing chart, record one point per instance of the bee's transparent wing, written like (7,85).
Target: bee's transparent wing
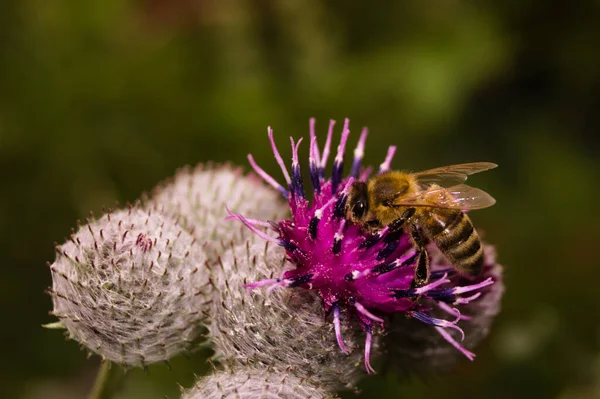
(460,196)
(447,176)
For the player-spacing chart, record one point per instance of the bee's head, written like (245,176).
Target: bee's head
(358,202)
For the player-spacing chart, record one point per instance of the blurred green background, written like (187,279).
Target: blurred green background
(101,100)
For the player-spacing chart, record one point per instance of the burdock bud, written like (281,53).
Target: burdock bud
(198,197)
(250,383)
(132,287)
(277,328)
(413,348)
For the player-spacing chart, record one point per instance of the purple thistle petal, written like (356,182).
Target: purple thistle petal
(252,221)
(298,281)
(469,355)
(435,284)
(433,321)
(385,166)
(435,274)
(297,185)
(452,311)
(391,244)
(464,301)
(368,343)
(313,135)
(473,287)
(274,285)
(374,239)
(313,160)
(449,294)
(278,157)
(338,328)
(338,163)
(266,177)
(319,212)
(340,206)
(313,226)
(338,238)
(327,148)
(261,283)
(361,309)
(251,226)
(387,267)
(364,175)
(359,153)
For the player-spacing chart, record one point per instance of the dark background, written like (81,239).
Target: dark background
(101,100)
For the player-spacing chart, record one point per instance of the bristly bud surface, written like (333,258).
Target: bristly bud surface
(131,287)
(285,330)
(251,383)
(197,197)
(366,276)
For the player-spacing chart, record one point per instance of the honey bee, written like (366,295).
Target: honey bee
(429,206)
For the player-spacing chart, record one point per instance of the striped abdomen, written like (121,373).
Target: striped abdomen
(453,233)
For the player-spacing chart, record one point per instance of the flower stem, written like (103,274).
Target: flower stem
(106,382)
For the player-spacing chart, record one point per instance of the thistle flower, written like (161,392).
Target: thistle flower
(196,197)
(131,287)
(284,330)
(250,383)
(368,276)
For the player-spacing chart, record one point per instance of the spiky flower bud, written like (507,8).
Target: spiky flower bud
(250,383)
(416,348)
(131,287)
(281,329)
(198,198)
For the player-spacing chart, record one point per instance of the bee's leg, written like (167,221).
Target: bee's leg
(397,224)
(372,225)
(422,269)
(395,230)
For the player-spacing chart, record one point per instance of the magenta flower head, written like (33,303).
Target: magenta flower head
(369,275)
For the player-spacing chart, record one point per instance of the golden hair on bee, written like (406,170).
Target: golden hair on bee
(385,187)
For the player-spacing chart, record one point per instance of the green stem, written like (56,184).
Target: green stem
(105,384)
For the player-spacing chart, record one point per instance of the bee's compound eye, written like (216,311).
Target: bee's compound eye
(359,209)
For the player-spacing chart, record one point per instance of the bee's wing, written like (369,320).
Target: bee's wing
(460,196)
(446,176)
